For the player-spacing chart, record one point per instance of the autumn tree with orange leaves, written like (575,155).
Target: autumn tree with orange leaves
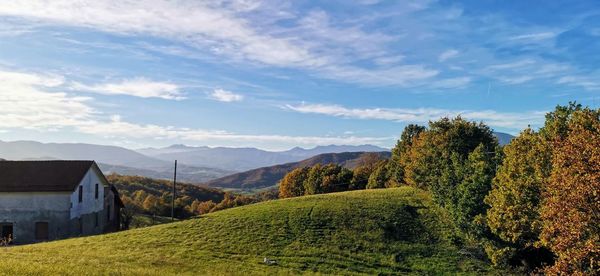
(571,207)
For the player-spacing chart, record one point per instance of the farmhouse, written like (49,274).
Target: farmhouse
(48,200)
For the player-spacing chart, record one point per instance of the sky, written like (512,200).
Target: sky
(279,74)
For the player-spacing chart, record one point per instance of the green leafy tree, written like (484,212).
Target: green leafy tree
(516,194)
(396,167)
(360,177)
(470,193)
(312,184)
(380,176)
(436,159)
(335,178)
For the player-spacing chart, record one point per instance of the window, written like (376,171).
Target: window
(96,193)
(41,231)
(80,193)
(6,232)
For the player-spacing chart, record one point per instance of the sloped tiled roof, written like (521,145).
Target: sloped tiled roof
(42,176)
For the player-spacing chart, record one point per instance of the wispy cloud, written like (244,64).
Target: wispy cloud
(33,101)
(581,81)
(193,22)
(137,87)
(225,96)
(451,83)
(448,54)
(423,115)
(534,36)
(314,43)
(121,129)
(26,102)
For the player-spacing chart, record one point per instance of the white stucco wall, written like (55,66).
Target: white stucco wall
(33,202)
(90,203)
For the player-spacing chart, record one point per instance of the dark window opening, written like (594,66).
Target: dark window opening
(80,193)
(97,191)
(6,233)
(41,231)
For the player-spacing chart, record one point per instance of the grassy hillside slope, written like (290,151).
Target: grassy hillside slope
(387,231)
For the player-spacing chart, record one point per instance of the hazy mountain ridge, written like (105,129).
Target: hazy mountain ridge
(241,159)
(269,176)
(110,159)
(184,173)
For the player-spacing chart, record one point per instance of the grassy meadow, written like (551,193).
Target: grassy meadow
(387,231)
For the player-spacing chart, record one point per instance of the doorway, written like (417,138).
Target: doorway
(6,233)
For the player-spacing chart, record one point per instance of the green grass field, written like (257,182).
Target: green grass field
(388,231)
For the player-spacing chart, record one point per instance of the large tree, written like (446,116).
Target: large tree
(571,206)
(437,156)
(516,195)
(399,156)
(292,183)
(468,204)
(380,176)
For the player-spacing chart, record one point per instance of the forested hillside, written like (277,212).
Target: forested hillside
(270,176)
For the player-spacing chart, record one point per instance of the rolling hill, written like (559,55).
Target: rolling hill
(269,176)
(369,232)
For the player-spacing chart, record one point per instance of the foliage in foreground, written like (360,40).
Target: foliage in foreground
(539,211)
(387,231)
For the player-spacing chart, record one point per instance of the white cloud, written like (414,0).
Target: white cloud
(448,54)
(317,43)
(196,23)
(30,101)
(116,128)
(225,96)
(534,36)
(403,75)
(451,83)
(137,87)
(585,82)
(423,115)
(27,102)
(511,65)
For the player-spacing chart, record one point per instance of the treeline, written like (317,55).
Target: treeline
(148,196)
(533,205)
(331,178)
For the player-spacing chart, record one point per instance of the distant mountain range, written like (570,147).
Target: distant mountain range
(241,159)
(109,158)
(269,176)
(197,164)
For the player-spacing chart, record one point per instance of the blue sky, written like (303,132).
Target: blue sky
(278,74)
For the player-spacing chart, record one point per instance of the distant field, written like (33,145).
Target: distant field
(389,231)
